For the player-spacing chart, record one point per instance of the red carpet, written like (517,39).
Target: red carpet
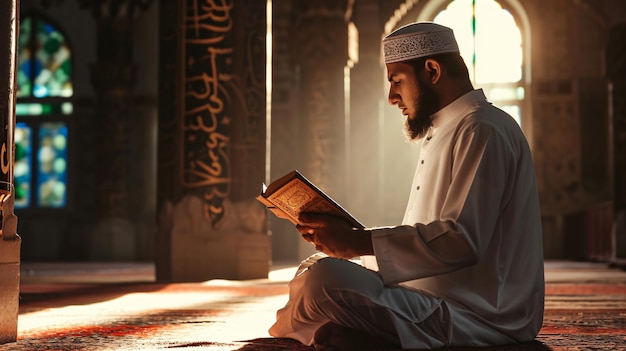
(585,316)
(585,310)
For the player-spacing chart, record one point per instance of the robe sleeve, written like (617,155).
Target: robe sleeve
(481,161)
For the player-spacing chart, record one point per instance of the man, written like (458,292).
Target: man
(466,266)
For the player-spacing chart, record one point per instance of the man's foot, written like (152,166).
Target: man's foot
(334,337)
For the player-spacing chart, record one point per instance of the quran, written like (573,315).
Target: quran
(293,194)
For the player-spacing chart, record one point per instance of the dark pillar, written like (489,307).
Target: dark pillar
(211,158)
(118,131)
(9,240)
(113,76)
(616,69)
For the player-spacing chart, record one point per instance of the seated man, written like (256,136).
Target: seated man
(466,266)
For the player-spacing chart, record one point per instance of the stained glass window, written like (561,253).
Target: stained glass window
(23,160)
(491,44)
(44,65)
(44,86)
(52,165)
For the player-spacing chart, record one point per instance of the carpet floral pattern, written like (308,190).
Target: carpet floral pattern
(587,313)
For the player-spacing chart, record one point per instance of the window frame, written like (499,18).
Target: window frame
(429,10)
(35,122)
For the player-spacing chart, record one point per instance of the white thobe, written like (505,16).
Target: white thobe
(466,266)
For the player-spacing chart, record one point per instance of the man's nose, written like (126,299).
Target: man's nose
(393,97)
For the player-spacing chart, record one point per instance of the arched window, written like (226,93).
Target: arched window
(44,88)
(491,45)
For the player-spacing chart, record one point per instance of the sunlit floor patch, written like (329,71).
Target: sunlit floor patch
(585,310)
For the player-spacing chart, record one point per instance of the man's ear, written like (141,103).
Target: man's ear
(433,69)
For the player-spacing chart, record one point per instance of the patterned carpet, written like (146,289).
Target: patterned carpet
(585,310)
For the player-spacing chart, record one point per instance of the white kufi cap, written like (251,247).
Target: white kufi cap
(420,39)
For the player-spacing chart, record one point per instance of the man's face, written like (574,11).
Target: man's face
(414,96)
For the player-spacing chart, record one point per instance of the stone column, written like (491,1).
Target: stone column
(321,35)
(367,99)
(321,55)
(211,158)
(9,240)
(285,124)
(616,70)
(113,76)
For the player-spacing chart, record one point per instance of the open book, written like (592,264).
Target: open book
(293,194)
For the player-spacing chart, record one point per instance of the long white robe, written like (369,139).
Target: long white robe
(466,266)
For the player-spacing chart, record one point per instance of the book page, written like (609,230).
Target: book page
(293,194)
(296,197)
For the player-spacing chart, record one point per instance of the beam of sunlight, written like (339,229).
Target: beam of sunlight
(497,44)
(155,316)
(268,92)
(490,42)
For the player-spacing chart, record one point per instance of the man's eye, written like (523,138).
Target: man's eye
(395,82)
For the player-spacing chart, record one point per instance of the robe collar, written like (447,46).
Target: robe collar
(457,108)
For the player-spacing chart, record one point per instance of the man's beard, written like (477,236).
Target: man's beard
(417,126)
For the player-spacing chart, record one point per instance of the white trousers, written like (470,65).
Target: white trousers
(333,290)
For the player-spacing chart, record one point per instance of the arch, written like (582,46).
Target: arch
(431,8)
(427,10)
(43,111)
(42,38)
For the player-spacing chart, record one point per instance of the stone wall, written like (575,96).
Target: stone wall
(571,129)
(212,142)
(568,120)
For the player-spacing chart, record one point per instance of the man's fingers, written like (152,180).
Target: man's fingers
(314,220)
(304,229)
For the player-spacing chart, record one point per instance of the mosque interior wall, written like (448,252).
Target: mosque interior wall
(571,106)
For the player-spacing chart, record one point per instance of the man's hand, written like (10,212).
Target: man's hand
(334,236)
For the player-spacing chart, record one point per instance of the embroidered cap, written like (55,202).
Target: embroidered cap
(419,39)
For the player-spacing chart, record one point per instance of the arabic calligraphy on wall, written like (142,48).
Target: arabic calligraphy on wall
(206,128)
